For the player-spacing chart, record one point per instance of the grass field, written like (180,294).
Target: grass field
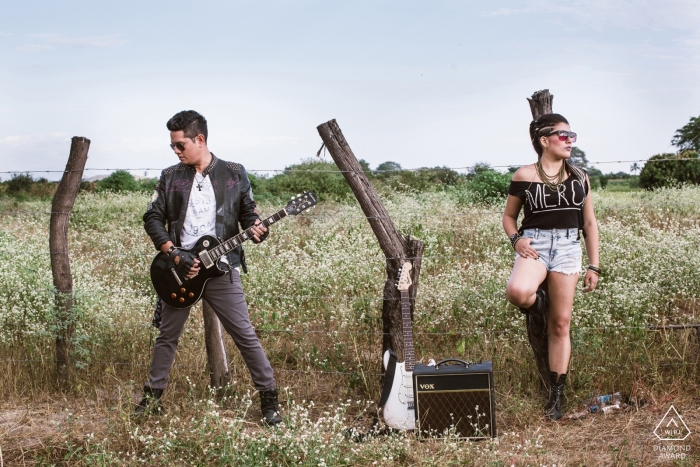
(314,291)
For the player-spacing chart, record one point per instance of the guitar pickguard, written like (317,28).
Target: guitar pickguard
(398,412)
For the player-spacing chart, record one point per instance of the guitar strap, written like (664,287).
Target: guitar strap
(388,379)
(220,195)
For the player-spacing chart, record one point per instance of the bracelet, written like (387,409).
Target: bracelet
(171,250)
(595,269)
(514,239)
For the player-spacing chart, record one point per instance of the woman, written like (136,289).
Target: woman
(557,200)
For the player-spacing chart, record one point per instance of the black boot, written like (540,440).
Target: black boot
(537,313)
(270,407)
(556,392)
(150,404)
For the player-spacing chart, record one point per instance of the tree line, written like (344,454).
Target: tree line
(481,182)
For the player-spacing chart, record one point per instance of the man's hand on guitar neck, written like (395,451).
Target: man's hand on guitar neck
(258,231)
(177,256)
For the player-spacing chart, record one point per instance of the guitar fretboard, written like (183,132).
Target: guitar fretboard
(233,242)
(407,325)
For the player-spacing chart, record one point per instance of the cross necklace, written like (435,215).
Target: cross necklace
(199,182)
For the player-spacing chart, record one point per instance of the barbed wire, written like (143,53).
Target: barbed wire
(11,253)
(305,216)
(418,169)
(475,210)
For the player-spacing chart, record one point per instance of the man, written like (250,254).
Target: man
(204,195)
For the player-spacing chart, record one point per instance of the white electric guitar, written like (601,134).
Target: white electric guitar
(398,411)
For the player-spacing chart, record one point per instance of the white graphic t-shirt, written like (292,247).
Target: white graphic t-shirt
(200,218)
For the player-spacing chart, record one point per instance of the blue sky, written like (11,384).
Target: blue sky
(421,83)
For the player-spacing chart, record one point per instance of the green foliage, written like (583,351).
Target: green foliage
(594,175)
(328,182)
(365,167)
(489,185)
(578,158)
(423,179)
(480,167)
(385,168)
(20,183)
(147,184)
(120,181)
(664,170)
(322,177)
(24,187)
(688,137)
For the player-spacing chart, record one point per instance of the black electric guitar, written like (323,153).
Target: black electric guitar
(181,292)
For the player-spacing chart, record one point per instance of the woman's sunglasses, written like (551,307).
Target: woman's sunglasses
(563,135)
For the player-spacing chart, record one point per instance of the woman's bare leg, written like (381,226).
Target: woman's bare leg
(527,275)
(561,303)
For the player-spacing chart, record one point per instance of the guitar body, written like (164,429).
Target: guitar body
(399,411)
(186,292)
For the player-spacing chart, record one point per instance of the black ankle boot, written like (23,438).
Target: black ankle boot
(150,404)
(556,392)
(269,406)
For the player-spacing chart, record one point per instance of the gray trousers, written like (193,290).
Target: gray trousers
(226,297)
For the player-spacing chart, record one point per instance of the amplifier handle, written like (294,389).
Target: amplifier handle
(466,364)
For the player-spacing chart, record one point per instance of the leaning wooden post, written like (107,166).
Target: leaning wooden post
(61,208)
(540,104)
(219,372)
(396,248)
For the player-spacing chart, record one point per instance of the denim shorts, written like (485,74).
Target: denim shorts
(559,249)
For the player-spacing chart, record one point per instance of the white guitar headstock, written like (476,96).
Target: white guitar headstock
(404,277)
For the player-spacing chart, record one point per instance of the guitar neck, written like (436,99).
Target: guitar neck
(233,242)
(407,325)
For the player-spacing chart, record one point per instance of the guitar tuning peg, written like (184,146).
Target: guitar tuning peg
(298,195)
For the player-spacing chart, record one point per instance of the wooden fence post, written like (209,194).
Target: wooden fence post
(219,372)
(540,104)
(63,202)
(396,248)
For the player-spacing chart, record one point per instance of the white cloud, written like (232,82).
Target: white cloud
(509,11)
(18,141)
(34,47)
(49,41)
(626,14)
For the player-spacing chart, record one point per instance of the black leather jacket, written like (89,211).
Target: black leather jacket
(234,204)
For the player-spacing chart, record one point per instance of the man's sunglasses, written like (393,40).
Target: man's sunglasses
(180,146)
(563,135)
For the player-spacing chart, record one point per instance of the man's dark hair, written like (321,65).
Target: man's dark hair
(191,123)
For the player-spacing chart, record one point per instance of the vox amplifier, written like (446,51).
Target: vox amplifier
(455,397)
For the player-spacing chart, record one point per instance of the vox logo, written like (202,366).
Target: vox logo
(427,386)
